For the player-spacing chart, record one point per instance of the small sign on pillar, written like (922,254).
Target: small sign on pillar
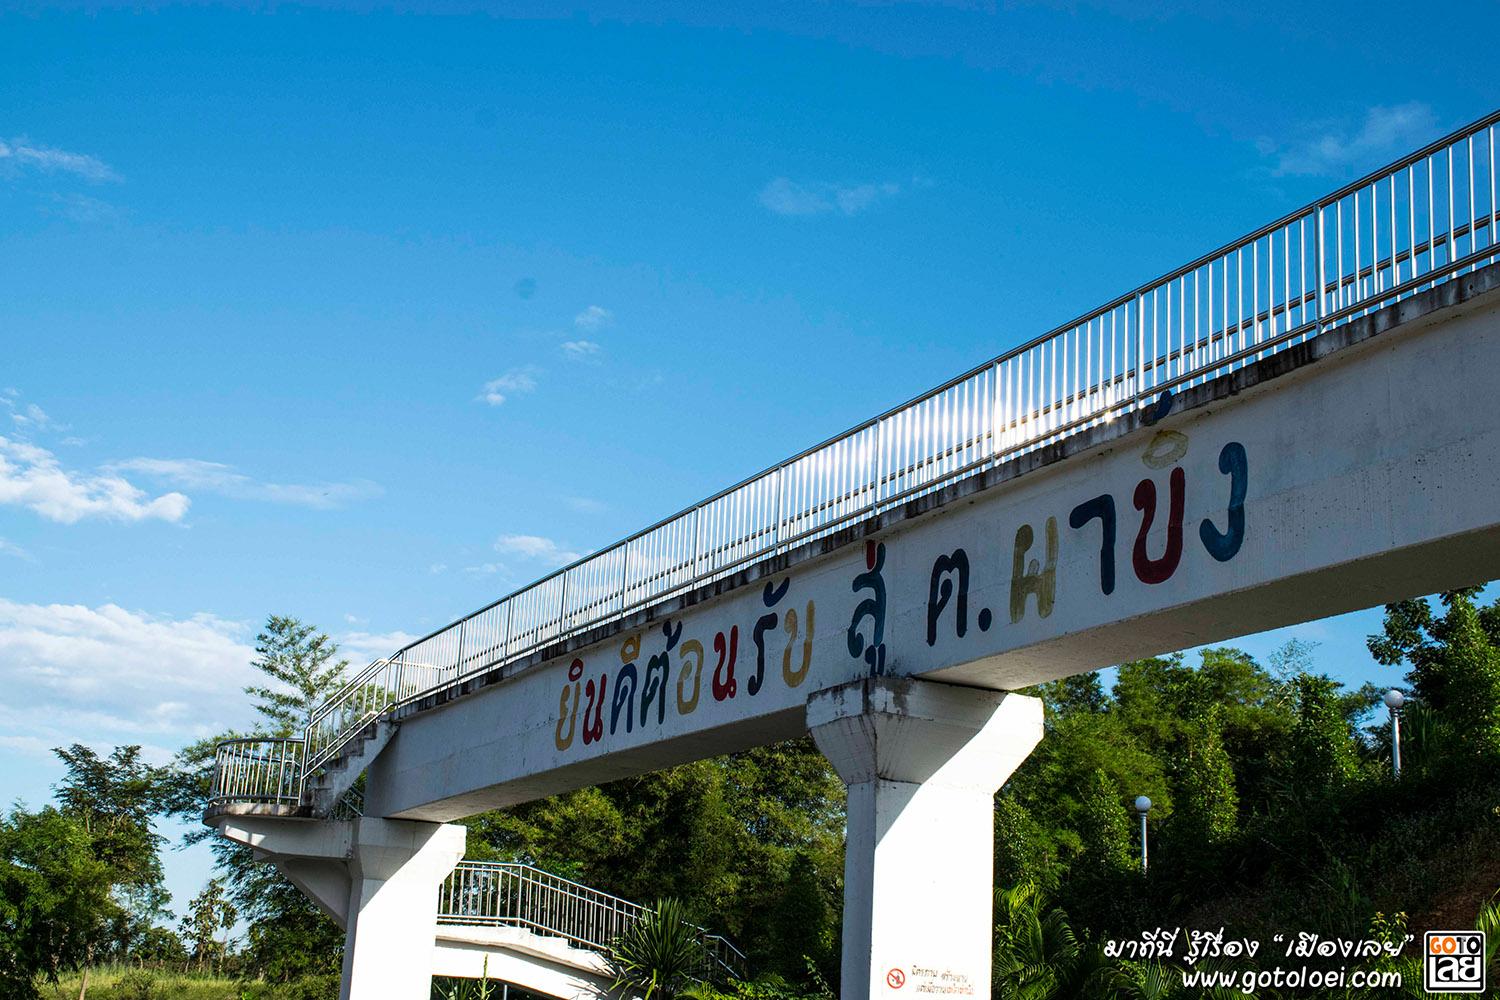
(929,981)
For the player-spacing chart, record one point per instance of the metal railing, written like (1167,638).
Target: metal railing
(517,895)
(1421,221)
(258,770)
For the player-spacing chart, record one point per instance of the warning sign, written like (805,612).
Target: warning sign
(930,981)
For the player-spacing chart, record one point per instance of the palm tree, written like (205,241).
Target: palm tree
(1037,954)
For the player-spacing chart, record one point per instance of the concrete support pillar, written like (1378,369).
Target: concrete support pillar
(922,762)
(395,869)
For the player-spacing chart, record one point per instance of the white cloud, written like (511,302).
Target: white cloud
(786,197)
(580,350)
(216,477)
(78,674)
(437,568)
(106,675)
(521,379)
(584,505)
(484,569)
(594,319)
(32,477)
(80,208)
(1338,148)
(8,548)
(32,418)
(534,547)
(22,153)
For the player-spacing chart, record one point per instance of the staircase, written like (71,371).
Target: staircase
(554,917)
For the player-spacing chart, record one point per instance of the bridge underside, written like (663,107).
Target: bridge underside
(536,962)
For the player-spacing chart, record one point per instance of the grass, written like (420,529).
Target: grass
(122,982)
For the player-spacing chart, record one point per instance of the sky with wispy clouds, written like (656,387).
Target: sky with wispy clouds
(371,318)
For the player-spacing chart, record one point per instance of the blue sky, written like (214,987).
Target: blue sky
(371,317)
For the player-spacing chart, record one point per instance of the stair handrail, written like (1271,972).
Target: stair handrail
(263,770)
(480,892)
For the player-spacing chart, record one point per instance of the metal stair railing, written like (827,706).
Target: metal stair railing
(1416,223)
(518,895)
(267,770)
(261,770)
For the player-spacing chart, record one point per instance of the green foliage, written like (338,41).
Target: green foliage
(1037,954)
(1322,742)
(82,879)
(1071,695)
(1455,664)
(1064,821)
(659,955)
(55,898)
(767,986)
(114,982)
(289,938)
(1203,786)
(297,943)
(115,799)
(720,834)
(1273,807)
(136,985)
(208,912)
(1023,850)
(456,988)
(802,931)
(157,946)
(295,656)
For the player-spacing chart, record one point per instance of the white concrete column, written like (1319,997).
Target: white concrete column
(922,762)
(395,869)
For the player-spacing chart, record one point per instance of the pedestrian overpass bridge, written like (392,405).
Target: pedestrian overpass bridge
(1296,425)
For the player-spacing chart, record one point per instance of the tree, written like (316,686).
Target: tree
(298,657)
(208,912)
(1323,754)
(288,936)
(1076,693)
(1455,663)
(297,943)
(1037,954)
(802,924)
(1203,784)
(720,834)
(158,946)
(114,799)
(55,898)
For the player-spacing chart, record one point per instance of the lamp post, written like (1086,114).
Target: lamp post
(1394,700)
(1143,806)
